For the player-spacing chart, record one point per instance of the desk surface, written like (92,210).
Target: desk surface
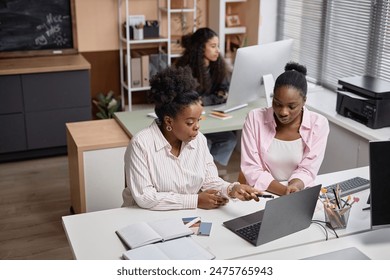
(134,121)
(97,134)
(92,235)
(374,244)
(42,64)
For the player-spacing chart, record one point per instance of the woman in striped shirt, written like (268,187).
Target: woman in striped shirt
(168,164)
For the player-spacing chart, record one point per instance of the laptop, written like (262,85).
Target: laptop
(281,216)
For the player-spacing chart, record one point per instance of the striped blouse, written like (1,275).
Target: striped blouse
(158,180)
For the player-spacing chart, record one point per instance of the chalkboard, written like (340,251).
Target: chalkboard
(36,25)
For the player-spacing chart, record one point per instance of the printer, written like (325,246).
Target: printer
(364,99)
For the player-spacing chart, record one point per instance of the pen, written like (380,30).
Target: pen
(192,222)
(346,202)
(336,198)
(264,195)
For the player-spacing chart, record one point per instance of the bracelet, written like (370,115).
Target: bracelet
(230,188)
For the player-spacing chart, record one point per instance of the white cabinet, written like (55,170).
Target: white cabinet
(104,178)
(235,21)
(345,150)
(166,17)
(96,164)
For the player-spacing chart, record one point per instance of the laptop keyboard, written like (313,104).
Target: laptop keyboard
(250,232)
(349,186)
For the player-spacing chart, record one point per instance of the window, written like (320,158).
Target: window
(338,38)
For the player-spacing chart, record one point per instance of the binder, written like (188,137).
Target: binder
(136,72)
(145,70)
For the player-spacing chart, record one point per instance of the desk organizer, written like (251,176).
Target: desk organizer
(337,218)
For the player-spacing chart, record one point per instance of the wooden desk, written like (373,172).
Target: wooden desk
(92,235)
(96,149)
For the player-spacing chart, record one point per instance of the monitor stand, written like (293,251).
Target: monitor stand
(269,84)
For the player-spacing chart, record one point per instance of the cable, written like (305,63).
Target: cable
(319,223)
(328,225)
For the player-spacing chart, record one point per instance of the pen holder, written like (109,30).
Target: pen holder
(138,33)
(337,218)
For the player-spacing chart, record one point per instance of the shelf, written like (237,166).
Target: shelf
(145,41)
(126,86)
(164,44)
(235,1)
(140,88)
(235,30)
(184,10)
(248,13)
(174,55)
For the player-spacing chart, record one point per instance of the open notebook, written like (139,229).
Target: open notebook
(185,248)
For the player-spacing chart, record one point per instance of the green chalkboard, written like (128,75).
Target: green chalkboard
(36,25)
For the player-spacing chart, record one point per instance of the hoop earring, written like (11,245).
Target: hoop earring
(169,128)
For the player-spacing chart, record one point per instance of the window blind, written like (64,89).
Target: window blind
(338,38)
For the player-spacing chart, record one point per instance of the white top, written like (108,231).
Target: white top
(158,180)
(286,155)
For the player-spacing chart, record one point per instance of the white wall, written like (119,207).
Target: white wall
(268,16)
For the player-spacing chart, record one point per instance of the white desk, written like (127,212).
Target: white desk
(374,244)
(92,235)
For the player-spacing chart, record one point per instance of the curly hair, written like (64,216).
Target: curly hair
(194,48)
(172,90)
(294,76)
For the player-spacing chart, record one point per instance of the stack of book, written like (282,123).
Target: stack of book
(161,240)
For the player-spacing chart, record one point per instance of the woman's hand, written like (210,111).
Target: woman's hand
(292,189)
(211,199)
(294,185)
(244,192)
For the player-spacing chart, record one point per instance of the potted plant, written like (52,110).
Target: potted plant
(107,105)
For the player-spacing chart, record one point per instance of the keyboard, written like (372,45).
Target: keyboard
(250,232)
(350,186)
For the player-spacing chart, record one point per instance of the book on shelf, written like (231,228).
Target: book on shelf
(145,70)
(185,248)
(144,233)
(135,72)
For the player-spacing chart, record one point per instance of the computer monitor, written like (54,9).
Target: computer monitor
(379,152)
(250,65)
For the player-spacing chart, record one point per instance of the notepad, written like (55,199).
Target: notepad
(143,233)
(220,115)
(184,248)
(204,229)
